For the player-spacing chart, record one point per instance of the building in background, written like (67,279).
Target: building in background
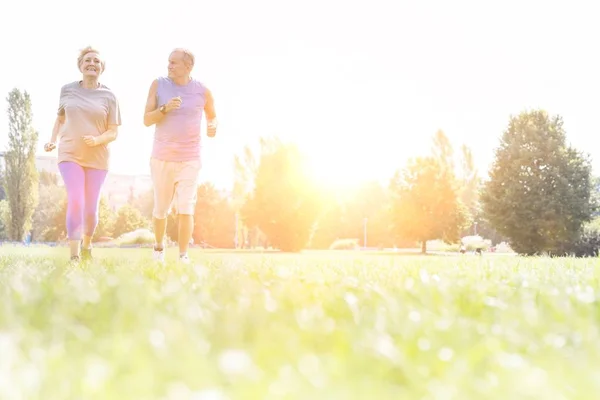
(118,188)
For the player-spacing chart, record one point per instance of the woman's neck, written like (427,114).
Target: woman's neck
(89,82)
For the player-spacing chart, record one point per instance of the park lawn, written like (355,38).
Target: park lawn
(326,325)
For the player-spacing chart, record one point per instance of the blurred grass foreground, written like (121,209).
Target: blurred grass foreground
(326,325)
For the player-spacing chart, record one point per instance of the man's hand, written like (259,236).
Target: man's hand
(211,128)
(49,146)
(90,140)
(173,104)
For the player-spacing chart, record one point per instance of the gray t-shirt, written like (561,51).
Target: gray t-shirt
(87,112)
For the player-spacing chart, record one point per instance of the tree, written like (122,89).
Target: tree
(442,151)
(469,180)
(129,219)
(2,192)
(4,215)
(54,198)
(285,202)
(245,170)
(214,219)
(425,204)
(539,191)
(21,176)
(469,187)
(145,203)
(107,220)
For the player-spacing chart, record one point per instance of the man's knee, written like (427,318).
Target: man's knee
(160,213)
(186,203)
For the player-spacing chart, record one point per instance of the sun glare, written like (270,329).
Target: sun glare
(338,174)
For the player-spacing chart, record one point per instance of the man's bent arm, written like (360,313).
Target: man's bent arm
(152,114)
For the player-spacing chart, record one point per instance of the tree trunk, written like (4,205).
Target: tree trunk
(424,247)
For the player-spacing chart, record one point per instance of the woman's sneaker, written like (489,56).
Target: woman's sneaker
(86,254)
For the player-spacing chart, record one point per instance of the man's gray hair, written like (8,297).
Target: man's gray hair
(188,56)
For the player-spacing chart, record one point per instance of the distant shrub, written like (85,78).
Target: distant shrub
(588,243)
(452,247)
(503,248)
(139,236)
(345,244)
(475,242)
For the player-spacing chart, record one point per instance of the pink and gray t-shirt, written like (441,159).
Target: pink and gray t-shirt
(177,136)
(87,112)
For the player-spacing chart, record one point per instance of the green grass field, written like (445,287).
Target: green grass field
(311,326)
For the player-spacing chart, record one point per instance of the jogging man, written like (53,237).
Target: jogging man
(175,105)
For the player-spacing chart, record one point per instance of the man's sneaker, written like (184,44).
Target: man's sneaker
(184,259)
(75,260)
(86,254)
(159,255)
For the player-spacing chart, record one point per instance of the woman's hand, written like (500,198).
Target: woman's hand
(49,146)
(90,140)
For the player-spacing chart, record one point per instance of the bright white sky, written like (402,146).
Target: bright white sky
(367,81)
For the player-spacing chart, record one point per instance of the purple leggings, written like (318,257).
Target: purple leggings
(83,196)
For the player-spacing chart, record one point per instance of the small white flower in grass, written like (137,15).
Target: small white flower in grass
(112,280)
(235,362)
(536,378)
(283,272)
(510,361)
(424,276)
(309,364)
(445,354)
(209,394)
(171,286)
(351,299)
(201,271)
(443,324)
(97,373)
(493,302)
(553,340)
(423,344)
(178,390)
(414,316)
(497,329)
(386,347)
(492,379)
(157,339)
(586,296)
(270,303)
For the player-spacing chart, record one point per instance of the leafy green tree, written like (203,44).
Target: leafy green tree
(4,218)
(107,220)
(214,219)
(20,177)
(54,198)
(425,204)
(129,219)
(285,201)
(539,191)
(2,192)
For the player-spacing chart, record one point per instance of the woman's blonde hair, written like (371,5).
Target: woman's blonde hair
(82,54)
